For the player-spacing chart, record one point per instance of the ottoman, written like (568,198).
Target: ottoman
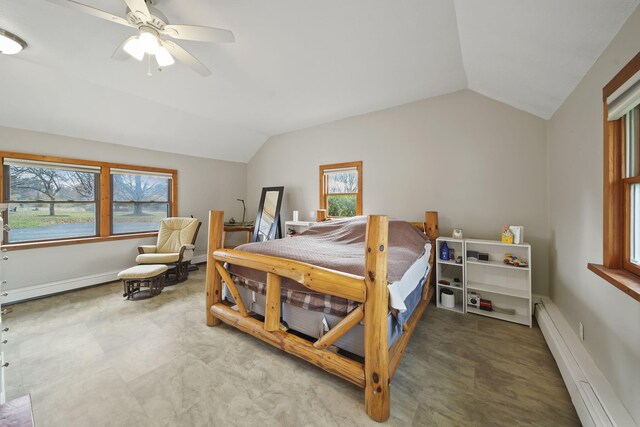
(150,276)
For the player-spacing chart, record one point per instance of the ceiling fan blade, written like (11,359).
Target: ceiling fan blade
(120,53)
(197,33)
(185,57)
(138,7)
(91,11)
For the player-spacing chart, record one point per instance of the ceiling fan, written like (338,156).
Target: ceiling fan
(153,28)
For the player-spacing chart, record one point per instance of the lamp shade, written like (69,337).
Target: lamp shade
(149,42)
(10,44)
(134,48)
(163,57)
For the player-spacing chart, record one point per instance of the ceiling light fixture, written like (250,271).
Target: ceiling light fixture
(134,48)
(163,57)
(149,42)
(10,44)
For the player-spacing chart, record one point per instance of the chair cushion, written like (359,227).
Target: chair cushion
(174,233)
(147,249)
(157,258)
(142,272)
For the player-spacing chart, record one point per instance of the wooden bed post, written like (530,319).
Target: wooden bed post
(431,225)
(376,342)
(433,232)
(214,280)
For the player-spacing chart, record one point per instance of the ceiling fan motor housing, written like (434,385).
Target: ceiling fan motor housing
(157,20)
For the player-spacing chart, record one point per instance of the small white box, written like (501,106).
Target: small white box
(448,299)
(518,233)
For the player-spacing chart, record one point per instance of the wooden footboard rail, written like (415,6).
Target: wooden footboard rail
(380,362)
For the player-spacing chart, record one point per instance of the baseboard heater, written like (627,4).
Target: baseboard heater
(595,402)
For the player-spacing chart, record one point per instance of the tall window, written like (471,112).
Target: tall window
(631,184)
(57,201)
(341,189)
(621,197)
(50,201)
(139,200)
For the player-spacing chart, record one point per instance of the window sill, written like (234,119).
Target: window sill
(625,281)
(76,241)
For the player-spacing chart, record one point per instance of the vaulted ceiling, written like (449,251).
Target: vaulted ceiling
(295,63)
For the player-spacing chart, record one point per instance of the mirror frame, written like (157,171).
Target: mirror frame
(275,232)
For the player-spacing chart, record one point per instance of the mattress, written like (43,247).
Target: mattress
(337,306)
(316,323)
(339,245)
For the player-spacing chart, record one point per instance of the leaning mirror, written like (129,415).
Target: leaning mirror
(268,220)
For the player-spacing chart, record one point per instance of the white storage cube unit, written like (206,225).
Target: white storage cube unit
(448,269)
(505,285)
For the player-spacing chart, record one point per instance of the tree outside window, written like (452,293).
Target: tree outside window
(139,202)
(50,202)
(341,189)
(60,201)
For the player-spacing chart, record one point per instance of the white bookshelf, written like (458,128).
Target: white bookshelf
(449,270)
(506,286)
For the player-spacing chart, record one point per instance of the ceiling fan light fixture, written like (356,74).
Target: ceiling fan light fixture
(149,42)
(164,58)
(134,48)
(10,44)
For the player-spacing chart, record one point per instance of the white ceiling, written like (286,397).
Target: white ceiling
(295,63)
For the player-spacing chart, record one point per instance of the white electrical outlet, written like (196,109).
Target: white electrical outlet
(581,330)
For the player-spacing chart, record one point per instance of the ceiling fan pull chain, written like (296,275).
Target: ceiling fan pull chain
(149,66)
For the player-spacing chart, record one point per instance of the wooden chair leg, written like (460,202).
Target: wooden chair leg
(182,271)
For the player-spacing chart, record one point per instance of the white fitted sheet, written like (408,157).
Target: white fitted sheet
(400,290)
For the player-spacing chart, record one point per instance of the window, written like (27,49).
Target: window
(621,201)
(631,188)
(341,189)
(50,201)
(55,201)
(140,201)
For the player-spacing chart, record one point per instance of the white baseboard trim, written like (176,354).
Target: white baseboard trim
(52,288)
(199,259)
(45,289)
(593,397)
(537,298)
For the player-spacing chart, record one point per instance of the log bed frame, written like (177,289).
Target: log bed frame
(380,361)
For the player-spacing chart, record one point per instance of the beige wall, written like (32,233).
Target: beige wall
(203,184)
(480,163)
(611,318)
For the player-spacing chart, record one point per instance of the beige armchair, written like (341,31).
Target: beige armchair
(175,247)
